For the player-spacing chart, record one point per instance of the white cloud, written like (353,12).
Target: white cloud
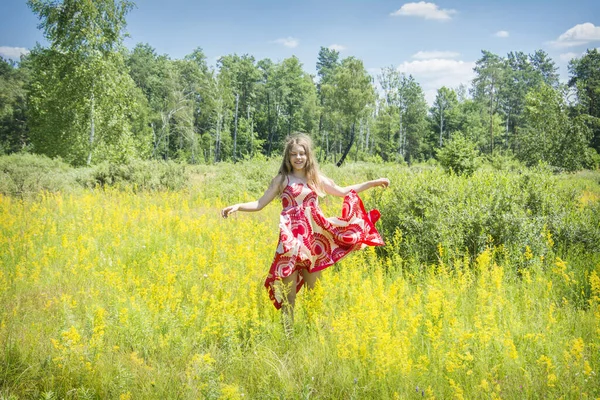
(434,73)
(578,35)
(501,34)
(337,47)
(288,42)
(14,53)
(424,10)
(428,55)
(568,56)
(435,66)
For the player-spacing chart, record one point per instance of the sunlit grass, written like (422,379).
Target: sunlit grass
(110,294)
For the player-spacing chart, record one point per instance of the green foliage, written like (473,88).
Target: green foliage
(87,100)
(444,115)
(80,95)
(13,106)
(27,174)
(140,175)
(327,62)
(243,181)
(425,209)
(504,161)
(401,123)
(585,78)
(81,26)
(347,95)
(592,159)
(550,135)
(459,155)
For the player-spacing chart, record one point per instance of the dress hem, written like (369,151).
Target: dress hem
(369,218)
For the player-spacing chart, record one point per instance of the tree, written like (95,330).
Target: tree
(265,98)
(545,67)
(404,111)
(80,94)
(472,120)
(290,97)
(444,105)
(521,74)
(220,99)
(156,77)
(459,155)
(486,85)
(327,62)
(585,78)
(549,134)
(244,76)
(413,119)
(347,94)
(14,135)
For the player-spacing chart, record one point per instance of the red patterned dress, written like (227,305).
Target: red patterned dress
(309,240)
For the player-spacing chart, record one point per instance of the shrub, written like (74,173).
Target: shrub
(459,155)
(427,209)
(592,159)
(504,161)
(26,174)
(139,175)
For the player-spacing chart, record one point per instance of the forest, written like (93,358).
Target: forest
(87,99)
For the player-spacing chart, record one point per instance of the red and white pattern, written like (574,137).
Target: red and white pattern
(309,240)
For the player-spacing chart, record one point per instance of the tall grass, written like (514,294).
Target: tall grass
(108,293)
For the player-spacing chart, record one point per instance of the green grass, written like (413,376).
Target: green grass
(111,293)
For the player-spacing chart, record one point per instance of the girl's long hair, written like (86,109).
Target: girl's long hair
(312,168)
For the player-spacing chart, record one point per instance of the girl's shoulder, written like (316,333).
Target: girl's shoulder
(325,179)
(280,181)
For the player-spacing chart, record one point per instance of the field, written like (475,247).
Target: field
(120,293)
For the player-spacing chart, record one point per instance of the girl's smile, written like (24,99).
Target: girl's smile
(298,157)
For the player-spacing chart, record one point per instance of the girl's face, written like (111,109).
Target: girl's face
(298,157)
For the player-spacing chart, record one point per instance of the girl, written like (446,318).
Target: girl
(309,242)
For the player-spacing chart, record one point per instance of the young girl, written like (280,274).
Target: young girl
(309,242)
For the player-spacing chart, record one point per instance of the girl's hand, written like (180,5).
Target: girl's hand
(384,182)
(227,211)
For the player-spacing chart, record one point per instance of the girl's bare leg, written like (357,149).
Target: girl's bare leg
(287,309)
(310,278)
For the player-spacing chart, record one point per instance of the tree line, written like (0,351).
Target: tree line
(86,98)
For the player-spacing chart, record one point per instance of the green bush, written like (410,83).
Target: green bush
(592,159)
(26,174)
(459,155)
(427,208)
(504,161)
(139,175)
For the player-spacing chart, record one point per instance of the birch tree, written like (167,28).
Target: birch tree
(81,96)
(348,95)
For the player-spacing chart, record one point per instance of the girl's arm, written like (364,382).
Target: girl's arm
(271,192)
(331,188)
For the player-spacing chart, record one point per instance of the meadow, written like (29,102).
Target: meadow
(488,287)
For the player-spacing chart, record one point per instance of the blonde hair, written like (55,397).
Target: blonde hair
(313,178)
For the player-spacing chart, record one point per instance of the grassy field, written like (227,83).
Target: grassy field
(124,294)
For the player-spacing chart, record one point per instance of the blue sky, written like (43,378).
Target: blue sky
(437,42)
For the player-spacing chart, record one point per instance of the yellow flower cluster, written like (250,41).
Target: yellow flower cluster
(154,295)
